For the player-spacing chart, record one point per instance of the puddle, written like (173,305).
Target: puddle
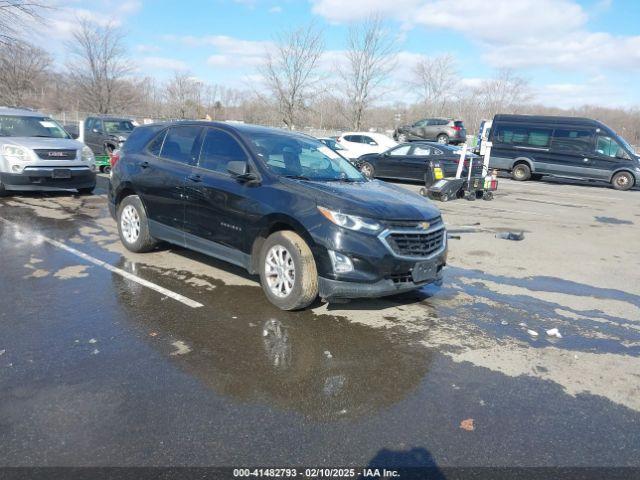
(613,221)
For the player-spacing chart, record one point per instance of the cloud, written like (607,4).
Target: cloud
(517,34)
(163,63)
(275,9)
(145,48)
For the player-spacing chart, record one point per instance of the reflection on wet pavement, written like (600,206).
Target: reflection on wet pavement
(116,368)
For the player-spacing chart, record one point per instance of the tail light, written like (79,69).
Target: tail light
(456,128)
(115,158)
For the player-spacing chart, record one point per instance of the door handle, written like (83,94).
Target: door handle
(144,164)
(194,178)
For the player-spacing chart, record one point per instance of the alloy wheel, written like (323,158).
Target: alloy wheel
(130,224)
(280,271)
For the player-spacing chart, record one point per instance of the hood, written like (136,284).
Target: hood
(373,199)
(43,143)
(367,156)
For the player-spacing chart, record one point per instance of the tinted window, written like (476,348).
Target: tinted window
(89,124)
(403,150)
(458,123)
(368,140)
(572,140)
(118,126)
(353,138)
(180,144)
(156,144)
(218,149)
(420,123)
(525,136)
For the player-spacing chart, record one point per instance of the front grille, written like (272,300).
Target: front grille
(392,224)
(416,244)
(56,154)
(401,278)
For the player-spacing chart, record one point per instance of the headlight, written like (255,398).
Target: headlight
(15,153)
(87,154)
(351,222)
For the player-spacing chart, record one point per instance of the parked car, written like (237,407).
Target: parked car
(360,143)
(279,204)
(408,161)
(441,130)
(530,146)
(36,153)
(104,135)
(332,143)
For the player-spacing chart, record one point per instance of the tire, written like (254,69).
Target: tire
(521,172)
(622,181)
(443,138)
(367,170)
(106,169)
(286,251)
(135,238)
(86,191)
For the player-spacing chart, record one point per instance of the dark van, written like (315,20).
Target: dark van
(531,146)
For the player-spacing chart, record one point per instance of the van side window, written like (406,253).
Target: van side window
(609,147)
(572,140)
(524,136)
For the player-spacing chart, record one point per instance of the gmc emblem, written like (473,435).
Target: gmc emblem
(57,154)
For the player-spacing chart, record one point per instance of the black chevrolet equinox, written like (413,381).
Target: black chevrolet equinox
(279,204)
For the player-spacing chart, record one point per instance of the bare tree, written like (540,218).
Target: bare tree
(290,72)
(371,55)
(14,14)
(99,68)
(22,72)
(505,92)
(435,79)
(183,95)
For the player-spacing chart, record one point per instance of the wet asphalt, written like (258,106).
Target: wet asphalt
(97,370)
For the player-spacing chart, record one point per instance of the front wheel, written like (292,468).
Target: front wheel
(133,226)
(288,272)
(622,181)
(367,169)
(86,191)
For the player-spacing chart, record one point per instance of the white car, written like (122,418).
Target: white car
(357,144)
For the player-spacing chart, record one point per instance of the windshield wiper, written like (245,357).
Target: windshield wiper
(297,177)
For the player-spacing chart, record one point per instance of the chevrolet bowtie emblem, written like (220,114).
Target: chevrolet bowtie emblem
(424,225)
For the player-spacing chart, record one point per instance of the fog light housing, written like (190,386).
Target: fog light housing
(16,168)
(341,263)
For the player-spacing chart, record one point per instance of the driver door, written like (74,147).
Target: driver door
(609,156)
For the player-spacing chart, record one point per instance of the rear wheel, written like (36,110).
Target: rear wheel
(288,271)
(521,172)
(367,169)
(443,138)
(622,181)
(133,226)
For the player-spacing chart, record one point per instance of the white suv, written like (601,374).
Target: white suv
(36,153)
(361,143)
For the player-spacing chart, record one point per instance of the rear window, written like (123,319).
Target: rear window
(458,123)
(180,144)
(140,137)
(522,135)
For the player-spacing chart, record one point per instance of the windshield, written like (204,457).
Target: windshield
(15,126)
(118,126)
(627,145)
(305,158)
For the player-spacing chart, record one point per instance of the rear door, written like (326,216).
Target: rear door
(416,162)
(92,136)
(218,207)
(162,176)
(392,163)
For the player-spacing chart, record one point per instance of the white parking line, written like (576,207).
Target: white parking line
(111,268)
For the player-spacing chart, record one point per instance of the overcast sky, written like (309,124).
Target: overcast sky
(573,52)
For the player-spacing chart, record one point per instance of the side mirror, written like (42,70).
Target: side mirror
(240,171)
(95,130)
